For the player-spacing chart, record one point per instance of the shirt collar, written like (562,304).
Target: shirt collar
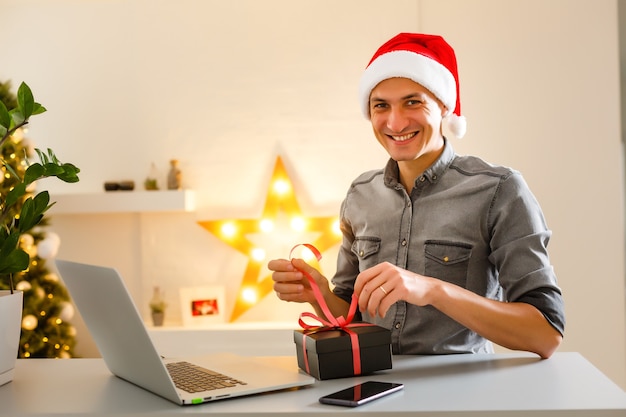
(432,174)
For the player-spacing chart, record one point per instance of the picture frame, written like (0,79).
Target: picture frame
(201,306)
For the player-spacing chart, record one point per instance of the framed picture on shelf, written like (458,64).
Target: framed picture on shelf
(202,305)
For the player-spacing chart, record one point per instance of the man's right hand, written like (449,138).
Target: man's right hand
(290,284)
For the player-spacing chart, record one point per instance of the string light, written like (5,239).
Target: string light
(280,204)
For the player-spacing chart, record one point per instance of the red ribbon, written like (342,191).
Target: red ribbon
(331,322)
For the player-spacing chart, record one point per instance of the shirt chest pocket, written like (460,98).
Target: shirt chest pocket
(447,261)
(366,248)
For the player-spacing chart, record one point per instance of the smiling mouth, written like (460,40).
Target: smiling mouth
(403,137)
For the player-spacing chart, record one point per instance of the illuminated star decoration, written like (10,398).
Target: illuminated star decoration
(280,224)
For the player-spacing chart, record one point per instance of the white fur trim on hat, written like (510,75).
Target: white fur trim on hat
(405,64)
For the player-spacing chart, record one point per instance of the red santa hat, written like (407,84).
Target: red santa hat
(426,59)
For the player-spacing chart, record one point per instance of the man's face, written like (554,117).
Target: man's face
(406,119)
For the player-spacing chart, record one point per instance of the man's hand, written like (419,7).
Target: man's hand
(290,284)
(380,286)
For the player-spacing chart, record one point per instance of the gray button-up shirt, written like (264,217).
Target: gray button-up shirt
(467,222)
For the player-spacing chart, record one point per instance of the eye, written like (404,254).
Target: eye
(379,105)
(414,102)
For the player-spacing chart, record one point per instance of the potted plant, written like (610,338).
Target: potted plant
(14,223)
(157,307)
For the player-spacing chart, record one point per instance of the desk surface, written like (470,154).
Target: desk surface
(454,385)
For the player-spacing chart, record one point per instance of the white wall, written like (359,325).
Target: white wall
(227,86)
(542,95)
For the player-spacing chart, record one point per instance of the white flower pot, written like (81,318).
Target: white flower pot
(10,326)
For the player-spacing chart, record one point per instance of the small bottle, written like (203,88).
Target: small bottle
(174,177)
(151,182)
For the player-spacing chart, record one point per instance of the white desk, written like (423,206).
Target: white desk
(457,385)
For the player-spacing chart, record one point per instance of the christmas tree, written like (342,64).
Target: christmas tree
(46,329)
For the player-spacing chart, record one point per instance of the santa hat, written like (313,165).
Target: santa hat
(426,59)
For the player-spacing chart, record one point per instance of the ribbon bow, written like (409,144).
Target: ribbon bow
(331,322)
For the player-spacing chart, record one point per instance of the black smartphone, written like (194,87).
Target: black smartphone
(361,393)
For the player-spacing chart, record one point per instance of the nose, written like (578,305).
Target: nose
(397,120)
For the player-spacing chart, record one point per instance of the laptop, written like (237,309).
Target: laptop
(128,351)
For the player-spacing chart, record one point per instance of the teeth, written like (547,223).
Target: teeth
(403,137)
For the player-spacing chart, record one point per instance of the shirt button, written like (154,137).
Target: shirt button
(422,178)
(397,325)
(434,177)
(403,242)
(361,253)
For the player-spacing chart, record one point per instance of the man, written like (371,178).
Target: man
(448,252)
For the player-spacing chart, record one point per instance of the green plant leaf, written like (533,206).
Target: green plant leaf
(9,244)
(42,156)
(27,215)
(33,173)
(12,258)
(5,117)
(32,211)
(25,100)
(4,234)
(17,118)
(41,201)
(38,109)
(15,194)
(52,169)
(70,173)
(15,261)
(53,157)
(10,169)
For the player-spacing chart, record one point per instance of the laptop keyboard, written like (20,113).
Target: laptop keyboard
(193,378)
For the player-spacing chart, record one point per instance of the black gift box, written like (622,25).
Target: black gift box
(329,352)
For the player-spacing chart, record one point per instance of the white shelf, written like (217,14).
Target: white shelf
(123,202)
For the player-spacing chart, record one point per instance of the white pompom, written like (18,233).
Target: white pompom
(457,125)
